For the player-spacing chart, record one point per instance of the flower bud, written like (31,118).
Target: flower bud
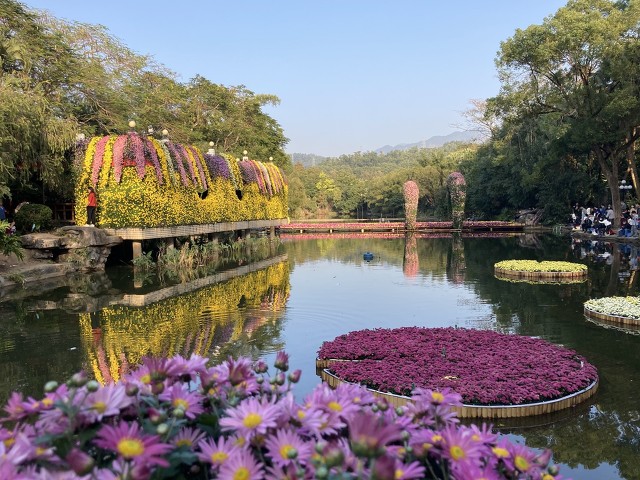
(157,388)
(93,386)
(554,470)
(280,378)
(50,386)
(292,453)
(294,377)
(259,380)
(282,361)
(78,379)
(322,472)
(80,462)
(178,413)
(260,367)
(162,429)
(131,389)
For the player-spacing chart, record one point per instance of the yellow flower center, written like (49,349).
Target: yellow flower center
(130,447)
(436,438)
(456,452)
(301,414)
(500,452)
(475,437)
(252,420)
(184,442)
(146,379)
(9,441)
(335,406)
(398,474)
(47,402)
(241,474)
(100,407)
(437,397)
(181,403)
(219,457)
(285,450)
(40,451)
(521,463)
(547,476)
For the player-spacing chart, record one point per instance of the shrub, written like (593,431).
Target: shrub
(33,216)
(9,243)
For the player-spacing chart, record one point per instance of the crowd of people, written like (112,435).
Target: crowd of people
(600,220)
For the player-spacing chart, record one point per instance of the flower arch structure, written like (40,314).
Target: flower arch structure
(145,182)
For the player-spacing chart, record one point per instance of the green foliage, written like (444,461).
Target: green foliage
(9,244)
(33,216)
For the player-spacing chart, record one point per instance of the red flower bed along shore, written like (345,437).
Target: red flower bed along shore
(484,367)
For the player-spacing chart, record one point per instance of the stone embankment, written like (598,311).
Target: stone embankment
(68,250)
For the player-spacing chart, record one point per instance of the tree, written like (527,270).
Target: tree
(572,68)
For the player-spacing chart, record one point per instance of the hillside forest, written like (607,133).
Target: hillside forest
(562,129)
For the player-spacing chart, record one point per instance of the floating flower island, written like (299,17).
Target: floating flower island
(541,272)
(618,310)
(497,375)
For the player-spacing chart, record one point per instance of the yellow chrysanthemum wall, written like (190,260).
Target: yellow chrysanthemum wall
(143,182)
(200,322)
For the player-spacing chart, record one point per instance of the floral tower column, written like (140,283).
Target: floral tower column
(457,194)
(410,190)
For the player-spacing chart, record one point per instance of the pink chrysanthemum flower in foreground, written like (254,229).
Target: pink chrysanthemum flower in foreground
(216,453)
(179,366)
(287,448)
(130,443)
(241,466)
(251,417)
(483,434)
(459,447)
(369,435)
(413,471)
(188,437)
(180,398)
(107,401)
(522,459)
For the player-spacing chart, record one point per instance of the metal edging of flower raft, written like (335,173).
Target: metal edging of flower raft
(476,411)
(617,319)
(549,276)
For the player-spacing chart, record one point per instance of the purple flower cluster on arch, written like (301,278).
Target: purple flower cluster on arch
(484,367)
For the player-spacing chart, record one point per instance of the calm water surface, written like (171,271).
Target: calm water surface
(318,288)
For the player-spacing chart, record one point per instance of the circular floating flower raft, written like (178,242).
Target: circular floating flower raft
(540,272)
(497,375)
(616,310)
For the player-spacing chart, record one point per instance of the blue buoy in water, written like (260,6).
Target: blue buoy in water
(368,256)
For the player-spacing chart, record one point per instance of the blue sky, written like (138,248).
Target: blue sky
(351,75)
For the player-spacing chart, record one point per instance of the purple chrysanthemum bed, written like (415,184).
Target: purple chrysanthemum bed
(485,367)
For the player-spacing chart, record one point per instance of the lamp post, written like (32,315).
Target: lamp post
(624,188)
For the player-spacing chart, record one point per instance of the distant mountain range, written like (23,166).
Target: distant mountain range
(310,159)
(433,142)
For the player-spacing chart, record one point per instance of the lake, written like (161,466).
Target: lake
(314,288)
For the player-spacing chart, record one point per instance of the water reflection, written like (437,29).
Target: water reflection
(325,288)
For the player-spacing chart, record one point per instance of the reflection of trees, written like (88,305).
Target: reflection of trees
(200,322)
(456,264)
(610,430)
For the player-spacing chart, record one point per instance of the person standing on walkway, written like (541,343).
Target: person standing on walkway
(92,203)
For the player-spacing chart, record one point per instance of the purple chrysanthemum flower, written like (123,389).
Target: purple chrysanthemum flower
(412,471)
(369,434)
(130,443)
(188,437)
(522,460)
(251,417)
(106,401)
(181,398)
(241,466)
(287,448)
(459,447)
(216,453)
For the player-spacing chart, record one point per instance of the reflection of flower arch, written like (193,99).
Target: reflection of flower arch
(411,261)
(193,323)
(457,193)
